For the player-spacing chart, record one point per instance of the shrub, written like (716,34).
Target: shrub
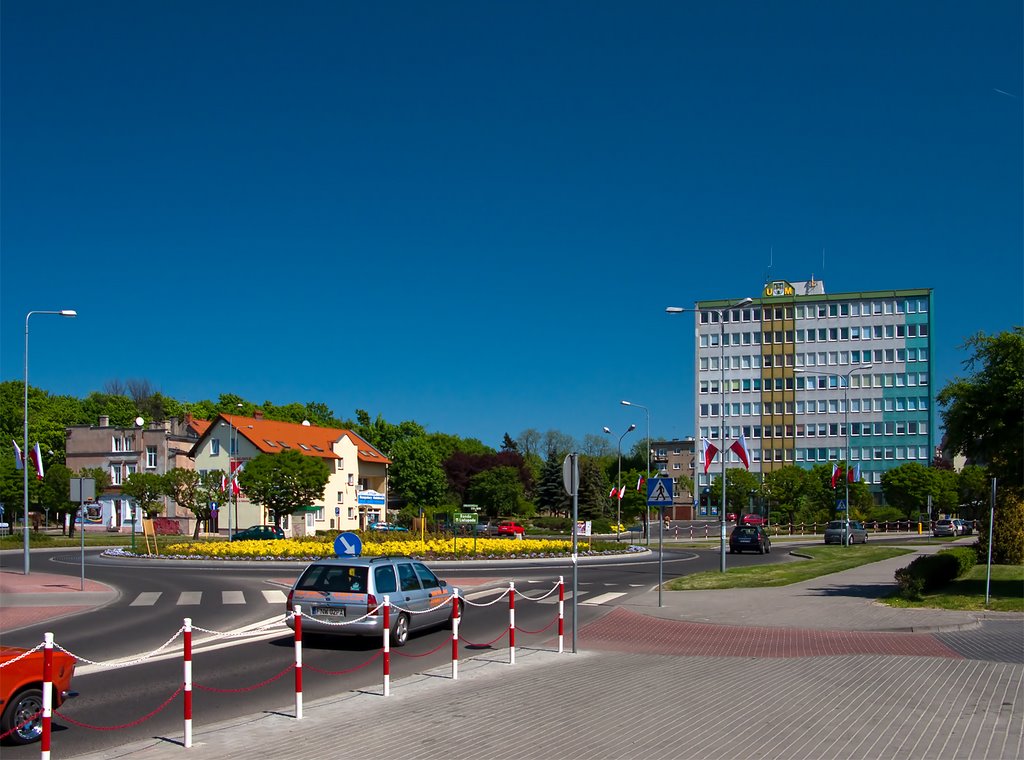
(966,557)
(926,573)
(1007,530)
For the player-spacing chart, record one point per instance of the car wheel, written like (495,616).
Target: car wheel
(761,549)
(24,710)
(400,633)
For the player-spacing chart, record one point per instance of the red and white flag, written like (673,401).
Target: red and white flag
(19,458)
(613,493)
(835,474)
(740,447)
(853,474)
(640,483)
(709,453)
(37,459)
(236,467)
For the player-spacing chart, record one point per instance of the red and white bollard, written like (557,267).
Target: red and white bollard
(455,636)
(298,662)
(44,741)
(387,645)
(187,680)
(511,623)
(561,613)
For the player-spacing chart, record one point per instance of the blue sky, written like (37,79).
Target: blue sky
(473,215)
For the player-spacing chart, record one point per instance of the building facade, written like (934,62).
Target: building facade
(356,492)
(674,459)
(120,451)
(812,378)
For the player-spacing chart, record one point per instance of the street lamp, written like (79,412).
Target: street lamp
(647,516)
(721,348)
(618,493)
(232,451)
(846,423)
(24,453)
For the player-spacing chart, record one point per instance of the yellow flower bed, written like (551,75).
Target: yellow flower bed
(290,548)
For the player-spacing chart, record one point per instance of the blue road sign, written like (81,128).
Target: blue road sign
(659,492)
(348,545)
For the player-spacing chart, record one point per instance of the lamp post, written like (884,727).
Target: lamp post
(232,447)
(618,499)
(647,412)
(24,452)
(846,424)
(721,347)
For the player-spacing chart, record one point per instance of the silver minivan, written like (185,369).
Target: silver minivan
(343,596)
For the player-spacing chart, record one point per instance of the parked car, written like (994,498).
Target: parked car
(341,596)
(731,517)
(21,691)
(963,527)
(752,537)
(944,528)
(969,526)
(753,519)
(259,533)
(835,532)
(510,528)
(387,527)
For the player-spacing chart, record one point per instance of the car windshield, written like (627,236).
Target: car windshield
(333,578)
(746,531)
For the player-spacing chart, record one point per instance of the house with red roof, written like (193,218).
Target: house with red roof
(355,495)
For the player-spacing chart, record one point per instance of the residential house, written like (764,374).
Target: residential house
(356,492)
(120,451)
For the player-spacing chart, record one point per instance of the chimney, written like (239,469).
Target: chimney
(104,420)
(257,415)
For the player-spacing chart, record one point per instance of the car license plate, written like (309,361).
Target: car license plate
(329,611)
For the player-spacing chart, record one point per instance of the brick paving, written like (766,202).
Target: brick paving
(627,631)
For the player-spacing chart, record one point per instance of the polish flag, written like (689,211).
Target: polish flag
(37,459)
(740,447)
(640,483)
(613,492)
(835,474)
(19,458)
(709,453)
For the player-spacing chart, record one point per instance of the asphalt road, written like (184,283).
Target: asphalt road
(240,675)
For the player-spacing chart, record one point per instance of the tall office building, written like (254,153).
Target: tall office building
(805,375)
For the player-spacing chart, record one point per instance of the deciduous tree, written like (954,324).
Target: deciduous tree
(283,483)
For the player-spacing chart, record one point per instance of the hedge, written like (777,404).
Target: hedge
(932,571)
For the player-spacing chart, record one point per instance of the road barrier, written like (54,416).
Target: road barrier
(189,684)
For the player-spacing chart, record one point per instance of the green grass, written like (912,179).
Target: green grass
(1006,591)
(823,561)
(92,539)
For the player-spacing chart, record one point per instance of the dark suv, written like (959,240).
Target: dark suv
(752,537)
(345,596)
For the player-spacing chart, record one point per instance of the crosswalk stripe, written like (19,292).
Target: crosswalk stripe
(601,599)
(190,597)
(232,597)
(145,599)
(274,596)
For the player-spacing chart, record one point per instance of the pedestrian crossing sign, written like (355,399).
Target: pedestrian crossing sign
(659,492)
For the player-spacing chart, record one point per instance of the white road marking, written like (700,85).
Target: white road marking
(145,599)
(232,597)
(274,596)
(190,597)
(604,598)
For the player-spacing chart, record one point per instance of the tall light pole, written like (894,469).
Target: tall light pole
(721,348)
(846,423)
(647,515)
(232,447)
(618,499)
(24,451)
